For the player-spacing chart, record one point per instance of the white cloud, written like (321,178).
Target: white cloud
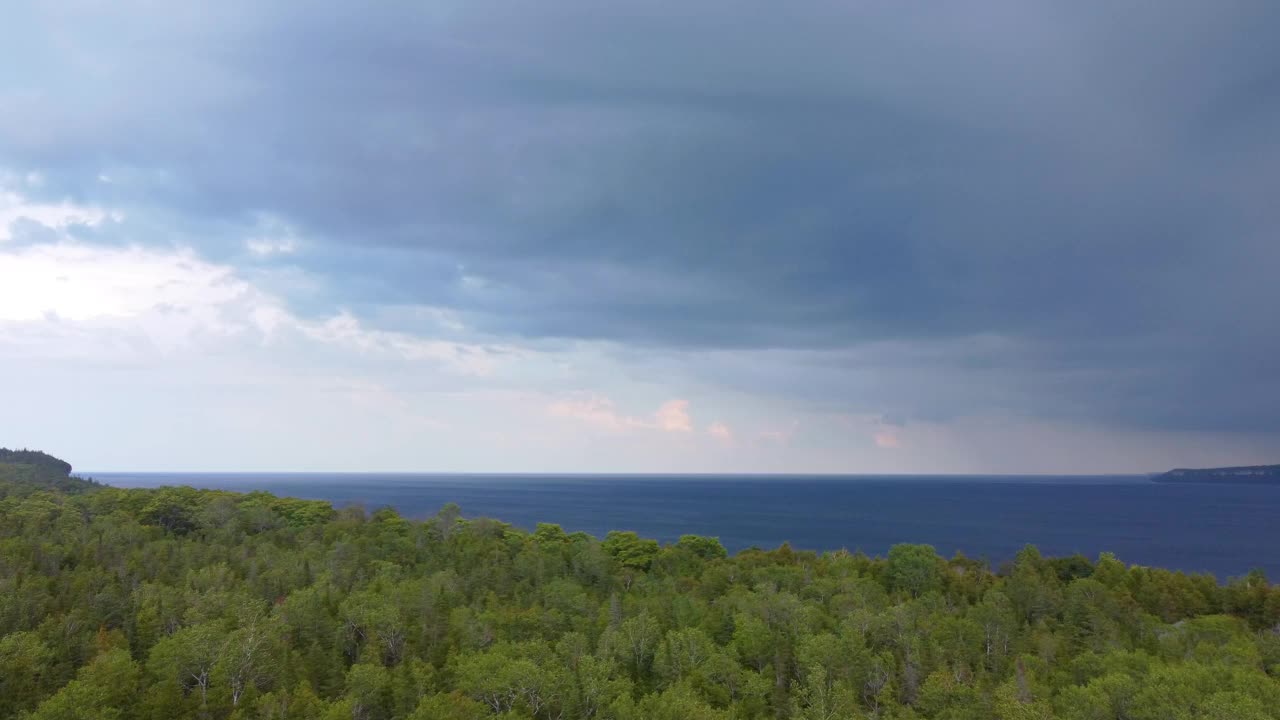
(68,298)
(346,330)
(196,365)
(595,410)
(600,411)
(75,282)
(272,236)
(71,299)
(266,247)
(673,416)
(60,216)
(720,431)
(886,439)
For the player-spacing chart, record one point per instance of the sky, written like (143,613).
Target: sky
(574,236)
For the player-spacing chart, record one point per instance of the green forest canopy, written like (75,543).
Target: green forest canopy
(182,603)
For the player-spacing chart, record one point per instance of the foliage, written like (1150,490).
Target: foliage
(23,472)
(181,603)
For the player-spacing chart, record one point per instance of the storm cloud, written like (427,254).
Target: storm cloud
(1063,213)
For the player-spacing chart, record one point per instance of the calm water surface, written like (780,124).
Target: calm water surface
(1223,529)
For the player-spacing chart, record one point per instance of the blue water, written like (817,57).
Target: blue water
(1223,529)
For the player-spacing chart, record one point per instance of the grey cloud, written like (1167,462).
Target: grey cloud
(1090,184)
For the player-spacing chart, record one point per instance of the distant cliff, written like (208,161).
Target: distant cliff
(1249,474)
(32,470)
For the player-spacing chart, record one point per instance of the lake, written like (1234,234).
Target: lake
(1223,529)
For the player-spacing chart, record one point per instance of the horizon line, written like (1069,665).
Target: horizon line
(481,473)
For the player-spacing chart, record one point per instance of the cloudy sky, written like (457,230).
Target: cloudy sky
(570,235)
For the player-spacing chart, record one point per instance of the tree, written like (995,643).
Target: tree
(187,659)
(821,699)
(682,653)
(915,569)
(247,660)
(506,679)
(679,702)
(24,664)
(633,645)
(1033,586)
(630,550)
(752,641)
(105,689)
(369,690)
(706,548)
(550,534)
(173,508)
(450,706)
(375,627)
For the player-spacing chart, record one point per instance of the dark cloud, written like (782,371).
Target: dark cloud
(1091,185)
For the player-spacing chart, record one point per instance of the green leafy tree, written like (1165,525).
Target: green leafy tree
(706,548)
(450,706)
(630,550)
(105,689)
(185,662)
(24,666)
(915,569)
(173,508)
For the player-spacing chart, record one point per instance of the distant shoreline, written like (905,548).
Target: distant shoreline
(1242,474)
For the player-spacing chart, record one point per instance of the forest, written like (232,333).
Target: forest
(123,604)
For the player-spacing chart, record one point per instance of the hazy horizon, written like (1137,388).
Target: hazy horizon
(584,474)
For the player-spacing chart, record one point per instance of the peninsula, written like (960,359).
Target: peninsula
(1247,474)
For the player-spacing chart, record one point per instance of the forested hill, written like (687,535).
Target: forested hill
(1253,474)
(31,470)
(179,603)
